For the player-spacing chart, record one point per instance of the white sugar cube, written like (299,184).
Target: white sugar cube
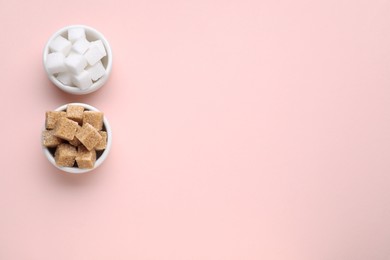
(82,80)
(60,44)
(93,54)
(100,45)
(96,71)
(55,62)
(75,63)
(65,78)
(81,46)
(76,33)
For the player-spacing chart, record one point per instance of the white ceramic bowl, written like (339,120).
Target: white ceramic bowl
(92,35)
(100,157)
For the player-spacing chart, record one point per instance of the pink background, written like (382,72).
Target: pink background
(242,130)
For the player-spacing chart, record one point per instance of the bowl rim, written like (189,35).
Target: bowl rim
(96,85)
(102,158)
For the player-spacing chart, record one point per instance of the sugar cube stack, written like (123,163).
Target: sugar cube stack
(65,78)
(85,158)
(81,46)
(75,34)
(75,60)
(55,62)
(88,136)
(52,118)
(75,63)
(75,136)
(60,44)
(65,155)
(49,139)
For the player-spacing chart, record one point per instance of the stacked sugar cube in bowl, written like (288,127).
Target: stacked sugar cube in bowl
(78,59)
(76,137)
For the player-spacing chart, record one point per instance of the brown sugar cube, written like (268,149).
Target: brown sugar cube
(49,140)
(75,113)
(65,128)
(65,155)
(93,118)
(103,143)
(85,159)
(52,118)
(88,136)
(75,142)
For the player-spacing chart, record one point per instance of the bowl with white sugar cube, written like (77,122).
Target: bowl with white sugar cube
(78,59)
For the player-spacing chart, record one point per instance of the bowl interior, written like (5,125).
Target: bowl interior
(100,155)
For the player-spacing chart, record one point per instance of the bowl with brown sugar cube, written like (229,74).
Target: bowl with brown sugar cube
(76,137)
